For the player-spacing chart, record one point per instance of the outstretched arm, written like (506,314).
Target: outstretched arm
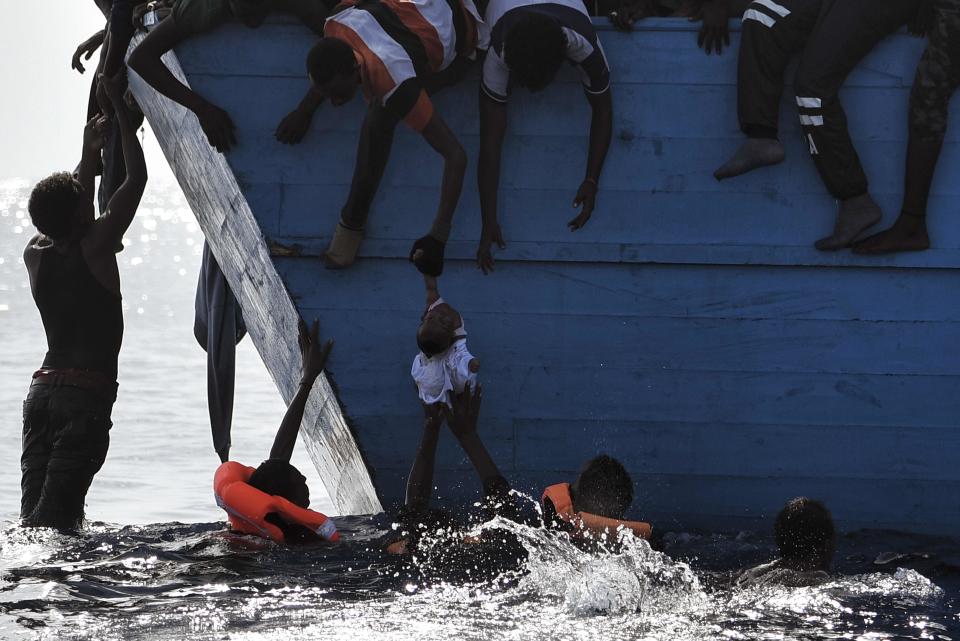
(314,360)
(493,127)
(86,171)
(420,481)
(601,130)
(146,61)
(715,31)
(433,291)
(462,419)
(108,230)
(86,49)
(295,124)
(444,142)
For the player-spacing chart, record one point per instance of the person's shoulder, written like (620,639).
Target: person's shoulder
(196,16)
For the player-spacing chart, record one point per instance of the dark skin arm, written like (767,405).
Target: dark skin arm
(107,231)
(295,124)
(493,128)
(145,60)
(86,171)
(715,32)
(462,419)
(314,356)
(444,142)
(420,481)
(601,131)
(86,49)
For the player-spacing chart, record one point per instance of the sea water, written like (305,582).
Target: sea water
(156,562)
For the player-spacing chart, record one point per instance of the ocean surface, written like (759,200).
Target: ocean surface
(156,562)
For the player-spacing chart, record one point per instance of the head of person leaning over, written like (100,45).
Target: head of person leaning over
(59,209)
(805,535)
(595,503)
(334,71)
(534,49)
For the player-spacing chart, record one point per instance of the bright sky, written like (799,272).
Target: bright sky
(44,101)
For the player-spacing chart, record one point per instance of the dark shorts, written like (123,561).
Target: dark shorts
(66,433)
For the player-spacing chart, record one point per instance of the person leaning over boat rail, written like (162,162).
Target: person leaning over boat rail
(398,52)
(937,79)
(75,283)
(529,41)
(834,36)
(272,500)
(192,17)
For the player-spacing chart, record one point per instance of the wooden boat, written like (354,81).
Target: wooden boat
(691,329)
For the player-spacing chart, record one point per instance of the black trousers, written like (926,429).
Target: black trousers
(833,36)
(66,433)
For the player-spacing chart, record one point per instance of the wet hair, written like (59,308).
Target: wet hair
(804,532)
(277,478)
(53,203)
(434,337)
(603,488)
(329,58)
(534,49)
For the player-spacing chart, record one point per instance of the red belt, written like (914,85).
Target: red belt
(82,378)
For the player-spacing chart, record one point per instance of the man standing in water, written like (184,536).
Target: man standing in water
(76,285)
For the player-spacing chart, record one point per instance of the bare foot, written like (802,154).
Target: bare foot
(907,234)
(753,154)
(856,215)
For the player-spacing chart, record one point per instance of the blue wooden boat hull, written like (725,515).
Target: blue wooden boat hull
(690,330)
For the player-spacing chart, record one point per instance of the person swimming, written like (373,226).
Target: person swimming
(806,541)
(273,500)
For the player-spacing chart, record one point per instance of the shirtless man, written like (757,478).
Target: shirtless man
(76,285)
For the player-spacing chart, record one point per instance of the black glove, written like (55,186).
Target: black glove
(429,255)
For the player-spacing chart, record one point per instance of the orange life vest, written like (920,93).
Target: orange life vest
(559,496)
(247,507)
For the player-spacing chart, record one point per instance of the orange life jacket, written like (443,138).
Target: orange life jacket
(559,496)
(247,507)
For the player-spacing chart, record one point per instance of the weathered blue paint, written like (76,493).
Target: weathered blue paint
(690,329)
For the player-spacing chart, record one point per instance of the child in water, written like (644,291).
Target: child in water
(443,365)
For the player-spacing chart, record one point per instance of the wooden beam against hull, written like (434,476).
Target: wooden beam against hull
(269,313)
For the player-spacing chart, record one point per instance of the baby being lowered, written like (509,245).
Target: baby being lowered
(443,365)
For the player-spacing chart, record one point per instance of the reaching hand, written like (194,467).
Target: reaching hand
(464,411)
(86,49)
(586,196)
(94,132)
(217,125)
(293,127)
(427,255)
(715,32)
(628,12)
(433,414)
(314,356)
(114,87)
(487,238)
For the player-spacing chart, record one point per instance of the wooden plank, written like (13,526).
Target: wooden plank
(578,340)
(655,291)
(269,314)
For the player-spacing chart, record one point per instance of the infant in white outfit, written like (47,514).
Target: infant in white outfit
(443,364)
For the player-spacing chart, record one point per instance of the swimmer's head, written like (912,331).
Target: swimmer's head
(278,478)
(805,534)
(57,205)
(603,488)
(333,69)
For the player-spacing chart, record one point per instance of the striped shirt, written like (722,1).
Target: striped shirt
(400,42)
(583,47)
